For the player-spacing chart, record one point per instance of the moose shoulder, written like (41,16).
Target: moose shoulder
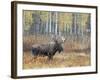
(48,49)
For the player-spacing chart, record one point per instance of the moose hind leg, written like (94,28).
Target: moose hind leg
(33,59)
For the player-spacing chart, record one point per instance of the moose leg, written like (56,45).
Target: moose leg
(50,57)
(33,58)
(35,55)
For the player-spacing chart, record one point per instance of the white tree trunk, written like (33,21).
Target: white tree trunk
(75,22)
(56,23)
(50,23)
(47,24)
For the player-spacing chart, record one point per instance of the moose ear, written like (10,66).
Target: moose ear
(63,39)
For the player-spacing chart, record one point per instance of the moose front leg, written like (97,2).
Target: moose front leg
(50,57)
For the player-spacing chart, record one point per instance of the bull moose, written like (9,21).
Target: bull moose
(48,49)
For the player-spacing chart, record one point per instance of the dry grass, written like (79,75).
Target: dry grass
(30,40)
(75,54)
(59,60)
